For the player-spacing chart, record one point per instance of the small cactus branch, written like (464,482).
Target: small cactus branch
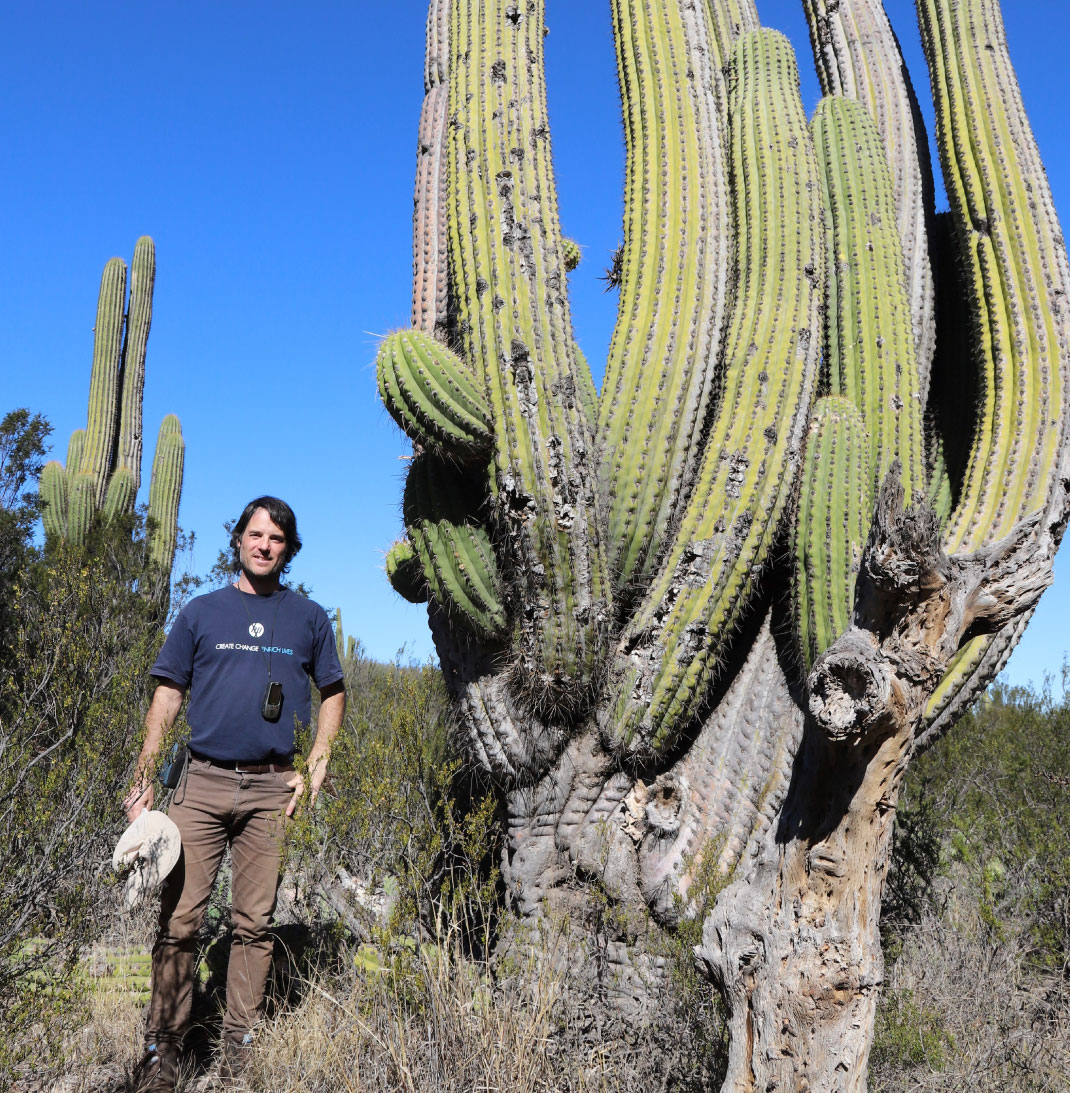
(75,447)
(81,506)
(165,490)
(507,274)
(832,524)
(857,55)
(666,345)
(404,572)
(871,356)
(443,523)
(119,499)
(680,635)
(104,381)
(53,489)
(432,396)
(128,441)
(1009,240)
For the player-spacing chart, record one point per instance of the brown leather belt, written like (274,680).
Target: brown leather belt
(281,766)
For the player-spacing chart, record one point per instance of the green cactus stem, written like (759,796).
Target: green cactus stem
(871,355)
(165,491)
(75,447)
(681,632)
(104,381)
(507,275)
(442,519)
(53,489)
(120,495)
(833,516)
(81,506)
(405,573)
(666,345)
(128,441)
(431,395)
(1008,238)
(858,57)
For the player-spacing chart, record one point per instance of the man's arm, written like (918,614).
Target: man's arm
(332,710)
(166,702)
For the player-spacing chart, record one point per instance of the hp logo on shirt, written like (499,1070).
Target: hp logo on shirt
(256,629)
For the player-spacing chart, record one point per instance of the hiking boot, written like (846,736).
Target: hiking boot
(235,1058)
(157,1070)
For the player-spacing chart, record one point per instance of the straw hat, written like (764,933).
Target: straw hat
(146,852)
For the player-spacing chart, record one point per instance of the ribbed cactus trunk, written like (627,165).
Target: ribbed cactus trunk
(697,624)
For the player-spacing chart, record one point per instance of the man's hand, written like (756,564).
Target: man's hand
(332,709)
(138,800)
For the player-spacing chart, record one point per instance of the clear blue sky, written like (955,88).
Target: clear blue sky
(269,149)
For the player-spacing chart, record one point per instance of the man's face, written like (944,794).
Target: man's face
(262,548)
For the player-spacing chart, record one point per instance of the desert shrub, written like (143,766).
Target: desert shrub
(402,837)
(977,916)
(71,705)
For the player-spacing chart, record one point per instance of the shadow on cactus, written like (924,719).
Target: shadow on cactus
(713,609)
(102,475)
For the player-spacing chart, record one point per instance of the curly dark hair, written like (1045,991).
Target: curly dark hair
(281,514)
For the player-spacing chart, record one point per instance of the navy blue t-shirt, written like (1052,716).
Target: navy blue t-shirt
(219,649)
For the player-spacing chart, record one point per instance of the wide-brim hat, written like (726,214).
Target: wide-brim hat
(146,852)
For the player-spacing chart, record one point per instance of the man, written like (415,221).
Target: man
(245,654)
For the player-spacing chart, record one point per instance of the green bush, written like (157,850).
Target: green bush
(83,637)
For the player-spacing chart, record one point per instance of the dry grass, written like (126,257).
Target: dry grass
(965,1010)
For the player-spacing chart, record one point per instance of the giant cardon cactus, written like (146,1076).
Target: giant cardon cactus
(697,623)
(103,470)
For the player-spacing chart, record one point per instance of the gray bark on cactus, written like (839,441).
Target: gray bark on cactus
(694,728)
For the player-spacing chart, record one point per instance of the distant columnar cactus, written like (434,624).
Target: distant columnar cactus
(103,469)
(697,623)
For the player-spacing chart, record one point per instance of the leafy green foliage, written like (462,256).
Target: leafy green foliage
(989,807)
(83,639)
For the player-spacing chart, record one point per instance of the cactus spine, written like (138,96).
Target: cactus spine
(103,469)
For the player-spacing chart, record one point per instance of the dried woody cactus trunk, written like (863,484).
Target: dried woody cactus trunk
(698,624)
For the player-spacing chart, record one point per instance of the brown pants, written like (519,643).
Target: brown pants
(215,808)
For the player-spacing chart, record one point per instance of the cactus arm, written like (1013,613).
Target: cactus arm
(53,490)
(104,381)
(429,222)
(679,636)
(857,55)
(835,502)
(1010,243)
(128,441)
(405,573)
(442,520)
(666,344)
(431,396)
(870,338)
(165,490)
(121,493)
(507,274)
(75,447)
(81,506)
